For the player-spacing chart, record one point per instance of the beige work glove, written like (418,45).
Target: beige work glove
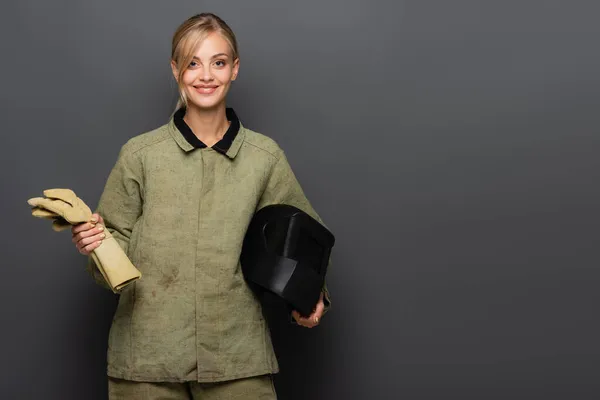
(65,209)
(58,223)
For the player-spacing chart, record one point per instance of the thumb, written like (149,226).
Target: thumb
(319,309)
(96,218)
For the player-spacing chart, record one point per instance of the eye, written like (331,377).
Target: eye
(220,63)
(193,64)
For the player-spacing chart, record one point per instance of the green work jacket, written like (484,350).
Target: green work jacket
(180,213)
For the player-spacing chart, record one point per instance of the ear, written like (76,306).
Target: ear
(175,71)
(236,69)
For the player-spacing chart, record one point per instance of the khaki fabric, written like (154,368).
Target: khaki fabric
(64,203)
(181,214)
(65,209)
(113,264)
(43,213)
(255,388)
(58,223)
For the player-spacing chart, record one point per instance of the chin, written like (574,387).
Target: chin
(205,104)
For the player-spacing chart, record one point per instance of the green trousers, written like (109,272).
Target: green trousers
(254,388)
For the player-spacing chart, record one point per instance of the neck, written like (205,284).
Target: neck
(208,125)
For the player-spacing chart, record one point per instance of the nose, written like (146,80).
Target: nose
(206,75)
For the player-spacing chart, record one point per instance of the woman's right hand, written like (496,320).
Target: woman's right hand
(88,235)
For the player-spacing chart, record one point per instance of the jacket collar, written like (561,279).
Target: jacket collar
(229,145)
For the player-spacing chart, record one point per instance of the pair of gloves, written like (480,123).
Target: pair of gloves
(65,209)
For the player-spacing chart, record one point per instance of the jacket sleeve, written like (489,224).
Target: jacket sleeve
(283,188)
(120,204)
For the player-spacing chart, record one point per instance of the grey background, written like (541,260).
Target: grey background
(450,145)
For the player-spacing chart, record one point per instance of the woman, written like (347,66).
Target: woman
(179,200)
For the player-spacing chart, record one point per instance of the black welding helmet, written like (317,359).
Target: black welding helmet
(286,252)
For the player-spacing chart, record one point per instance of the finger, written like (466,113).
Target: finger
(89,248)
(317,313)
(296,316)
(316,316)
(299,319)
(84,226)
(87,233)
(90,239)
(305,322)
(98,219)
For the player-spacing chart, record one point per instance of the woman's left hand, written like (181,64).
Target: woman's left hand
(313,319)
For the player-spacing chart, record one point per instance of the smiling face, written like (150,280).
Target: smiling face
(207,78)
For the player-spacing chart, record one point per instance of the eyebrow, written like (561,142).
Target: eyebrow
(215,56)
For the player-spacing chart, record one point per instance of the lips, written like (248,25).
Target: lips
(206,89)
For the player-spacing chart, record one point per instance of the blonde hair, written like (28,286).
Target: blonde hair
(188,37)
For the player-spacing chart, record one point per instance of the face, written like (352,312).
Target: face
(207,79)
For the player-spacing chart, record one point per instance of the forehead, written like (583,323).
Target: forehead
(213,44)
